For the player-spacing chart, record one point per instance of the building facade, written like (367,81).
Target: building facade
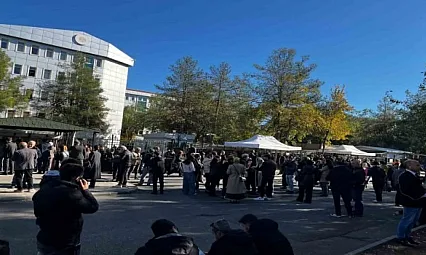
(39,53)
(138,98)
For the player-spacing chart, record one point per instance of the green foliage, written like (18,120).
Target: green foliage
(74,97)
(11,95)
(133,122)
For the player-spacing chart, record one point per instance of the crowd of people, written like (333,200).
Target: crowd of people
(241,175)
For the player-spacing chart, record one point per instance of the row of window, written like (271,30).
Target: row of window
(49,52)
(12,113)
(32,71)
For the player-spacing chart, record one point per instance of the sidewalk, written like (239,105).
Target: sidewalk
(104,187)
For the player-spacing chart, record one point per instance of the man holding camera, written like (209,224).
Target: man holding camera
(58,208)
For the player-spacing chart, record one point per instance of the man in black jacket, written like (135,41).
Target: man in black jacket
(58,208)
(268,239)
(340,178)
(9,150)
(268,169)
(378,175)
(125,165)
(412,199)
(167,240)
(157,173)
(230,241)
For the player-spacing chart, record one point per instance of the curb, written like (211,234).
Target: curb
(384,240)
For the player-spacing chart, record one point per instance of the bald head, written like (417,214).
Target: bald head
(23,145)
(413,165)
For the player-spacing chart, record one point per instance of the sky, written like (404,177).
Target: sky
(368,46)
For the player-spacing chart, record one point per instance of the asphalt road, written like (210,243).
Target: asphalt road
(123,222)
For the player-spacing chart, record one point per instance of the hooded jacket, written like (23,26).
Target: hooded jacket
(170,244)
(268,239)
(58,208)
(235,242)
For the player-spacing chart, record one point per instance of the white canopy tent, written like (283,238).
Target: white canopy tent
(262,142)
(348,150)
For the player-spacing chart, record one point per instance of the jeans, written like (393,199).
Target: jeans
(346,196)
(266,184)
(22,175)
(251,181)
(324,188)
(408,221)
(378,189)
(188,183)
(359,206)
(158,177)
(145,172)
(308,189)
(122,175)
(290,183)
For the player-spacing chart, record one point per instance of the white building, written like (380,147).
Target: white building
(37,53)
(138,98)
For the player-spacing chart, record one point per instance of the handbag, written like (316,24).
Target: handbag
(242,178)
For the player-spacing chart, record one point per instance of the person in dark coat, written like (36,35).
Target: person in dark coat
(230,241)
(95,164)
(246,221)
(268,239)
(168,241)
(9,149)
(58,208)
(341,178)
(378,175)
(268,169)
(215,174)
(24,159)
(125,166)
(307,185)
(78,151)
(158,170)
(413,198)
(358,186)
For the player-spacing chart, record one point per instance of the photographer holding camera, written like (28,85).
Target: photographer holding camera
(58,208)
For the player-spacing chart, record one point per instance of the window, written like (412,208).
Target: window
(44,95)
(17,69)
(20,47)
(34,50)
(32,71)
(26,114)
(47,74)
(90,62)
(49,53)
(11,113)
(99,62)
(61,74)
(4,44)
(63,55)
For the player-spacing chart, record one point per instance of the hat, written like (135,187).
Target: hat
(162,227)
(221,225)
(248,218)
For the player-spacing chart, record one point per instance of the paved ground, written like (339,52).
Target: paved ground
(123,221)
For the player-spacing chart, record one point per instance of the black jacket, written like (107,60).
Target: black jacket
(78,152)
(308,175)
(235,242)
(377,174)
(126,159)
(340,177)
(58,208)
(411,191)
(170,244)
(358,175)
(268,239)
(268,169)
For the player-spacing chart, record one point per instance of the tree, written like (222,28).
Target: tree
(133,122)
(10,93)
(185,100)
(75,97)
(333,122)
(287,95)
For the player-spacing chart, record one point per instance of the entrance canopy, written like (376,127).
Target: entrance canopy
(32,123)
(262,142)
(348,150)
